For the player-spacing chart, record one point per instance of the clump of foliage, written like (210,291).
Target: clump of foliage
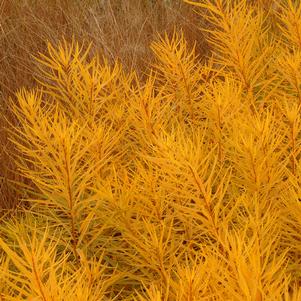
(185,186)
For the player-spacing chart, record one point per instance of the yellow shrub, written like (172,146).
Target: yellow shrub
(185,186)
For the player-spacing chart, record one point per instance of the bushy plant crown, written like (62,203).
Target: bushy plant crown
(182,186)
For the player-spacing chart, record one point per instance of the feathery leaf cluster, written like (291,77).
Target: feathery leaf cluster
(185,186)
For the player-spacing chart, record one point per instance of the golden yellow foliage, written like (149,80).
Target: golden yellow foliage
(185,186)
